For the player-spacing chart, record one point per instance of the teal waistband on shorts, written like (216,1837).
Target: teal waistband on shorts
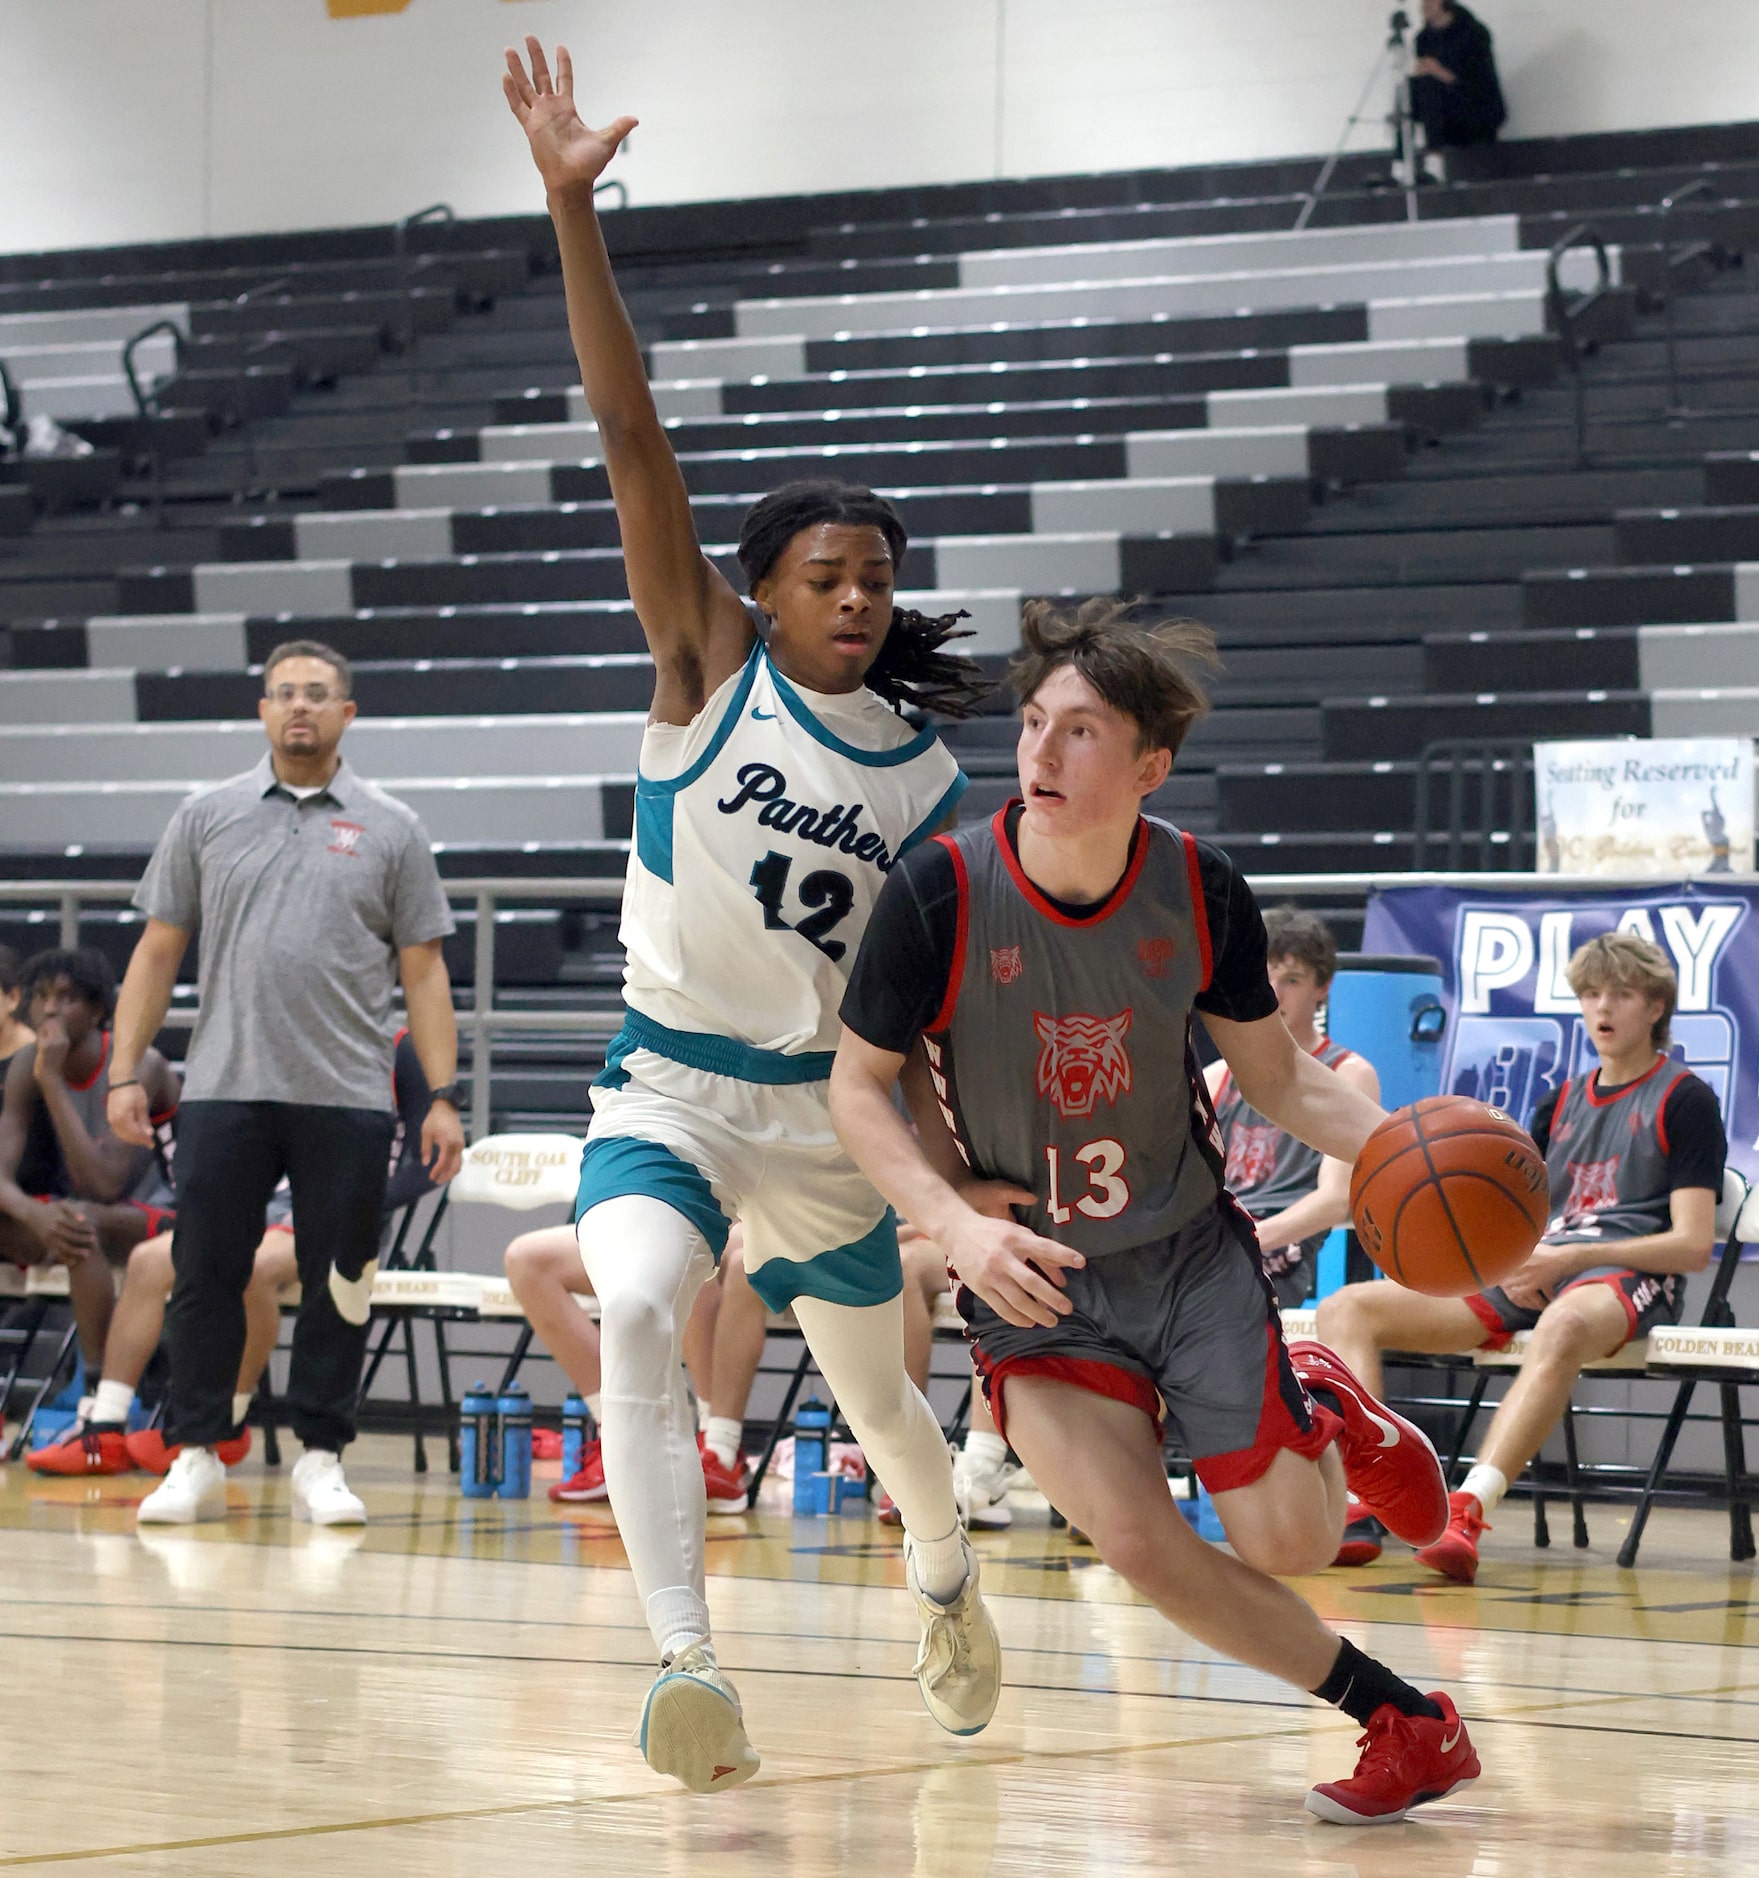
(713,1055)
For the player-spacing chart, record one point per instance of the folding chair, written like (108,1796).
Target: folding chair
(1717,1354)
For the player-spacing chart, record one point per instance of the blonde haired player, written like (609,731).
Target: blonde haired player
(776,790)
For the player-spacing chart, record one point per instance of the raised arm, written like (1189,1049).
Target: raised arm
(696,626)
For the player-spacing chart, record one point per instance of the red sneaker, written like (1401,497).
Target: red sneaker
(149,1450)
(1388,1462)
(729,1488)
(86,1451)
(1362,1536)
(1407,1761)
(1455,1553)
(589,1484)
(885,1510)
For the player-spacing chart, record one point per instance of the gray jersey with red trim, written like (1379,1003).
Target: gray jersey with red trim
(43,1169)
(1062,1055)
(1607,1157)
(1268,1170)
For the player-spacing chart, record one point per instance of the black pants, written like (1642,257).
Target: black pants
(230,1155)
(1450,121)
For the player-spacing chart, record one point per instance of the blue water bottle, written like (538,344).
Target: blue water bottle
(575,1419)
(513,1418)
(478,1456)
(812,1444)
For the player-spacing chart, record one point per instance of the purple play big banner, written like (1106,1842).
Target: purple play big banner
(1515,1031)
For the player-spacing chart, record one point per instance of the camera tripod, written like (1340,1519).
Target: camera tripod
(1392,62)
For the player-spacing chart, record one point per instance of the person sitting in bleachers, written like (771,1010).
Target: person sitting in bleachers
(548,1275)
(1294,1194)
(71,1193)
(100,1441)
(1634,1150)
(15,1033)
(1455,93)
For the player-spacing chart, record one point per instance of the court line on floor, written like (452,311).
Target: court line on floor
(667,1796)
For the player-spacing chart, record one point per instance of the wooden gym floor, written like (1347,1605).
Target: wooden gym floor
(452,1692)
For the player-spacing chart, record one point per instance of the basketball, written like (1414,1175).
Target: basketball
(1449,1196)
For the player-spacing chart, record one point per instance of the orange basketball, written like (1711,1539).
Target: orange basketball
(1449,1196)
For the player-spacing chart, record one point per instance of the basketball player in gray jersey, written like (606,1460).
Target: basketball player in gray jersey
(1049,963)
(1294,1193)
(1634,1150)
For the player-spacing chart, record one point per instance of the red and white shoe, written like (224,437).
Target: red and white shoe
(1407,1761)
(729,1488)
(1360,1544)
(885,1510)
(1455,1553)
(587,1486)
(85,1451)
(1388,1462)
(149,1450)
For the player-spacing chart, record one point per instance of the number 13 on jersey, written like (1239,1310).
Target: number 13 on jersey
(1102,1167)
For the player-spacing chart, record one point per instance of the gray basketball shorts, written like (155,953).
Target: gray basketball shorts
(1184,1328)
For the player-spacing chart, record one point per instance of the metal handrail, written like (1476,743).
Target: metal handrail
(1567,313)
(483,1021)
(434,212)
(147,403)
(604,189)
(1698,188)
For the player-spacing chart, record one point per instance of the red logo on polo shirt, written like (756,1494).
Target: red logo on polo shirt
(1006,964)
(1083,1060)
(346,836)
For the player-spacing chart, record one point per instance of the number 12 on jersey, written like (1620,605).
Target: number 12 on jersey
(1108,1193)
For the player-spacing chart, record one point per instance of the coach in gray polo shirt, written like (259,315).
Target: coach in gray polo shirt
(313,891)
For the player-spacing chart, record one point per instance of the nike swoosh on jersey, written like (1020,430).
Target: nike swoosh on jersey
(763,717)
(354,1300)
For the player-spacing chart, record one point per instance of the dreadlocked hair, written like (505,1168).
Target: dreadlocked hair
(912,671)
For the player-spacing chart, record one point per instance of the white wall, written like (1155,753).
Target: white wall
(148,119)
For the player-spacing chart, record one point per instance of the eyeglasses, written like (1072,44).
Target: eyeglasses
(312,694)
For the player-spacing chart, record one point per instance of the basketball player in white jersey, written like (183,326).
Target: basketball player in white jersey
(777,787)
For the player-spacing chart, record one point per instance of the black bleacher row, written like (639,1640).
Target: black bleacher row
(1476,590)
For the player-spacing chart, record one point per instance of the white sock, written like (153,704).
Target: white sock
(240,1409)
(678,1619)
(1486,1485)
(82,1414)
(725,1436)
(704,1415)
(592,1406)
(940,1564)
(111,1404)
(988,1450)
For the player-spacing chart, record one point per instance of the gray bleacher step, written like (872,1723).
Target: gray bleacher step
(1642,596)
(1656,659)
(1367,729)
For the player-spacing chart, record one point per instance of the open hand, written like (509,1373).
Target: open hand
(1548,1269)
(568,153)
(127,1113)
(1017,1274)
(442,1142)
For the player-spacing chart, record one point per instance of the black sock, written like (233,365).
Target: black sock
(1359,1685)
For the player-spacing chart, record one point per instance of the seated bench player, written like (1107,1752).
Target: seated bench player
(1634,1150)
(71,1193)
(1295,1194)
(15,1033)
(100,1441)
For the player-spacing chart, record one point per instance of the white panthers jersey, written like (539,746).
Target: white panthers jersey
(764,829)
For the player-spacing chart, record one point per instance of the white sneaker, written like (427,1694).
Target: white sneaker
(692,1726)
(320,1493)
(194,1489)
(982,1492)
(959,1663)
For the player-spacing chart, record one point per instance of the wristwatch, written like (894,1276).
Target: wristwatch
(447,1092)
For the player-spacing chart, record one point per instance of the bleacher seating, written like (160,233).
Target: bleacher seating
(1347,450)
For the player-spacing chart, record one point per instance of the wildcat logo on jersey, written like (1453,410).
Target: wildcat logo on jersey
(1006,964)
(837,827)
(1083,1060)
(1156,955)
(1251,1156)
(1594,1188)
(345,837)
